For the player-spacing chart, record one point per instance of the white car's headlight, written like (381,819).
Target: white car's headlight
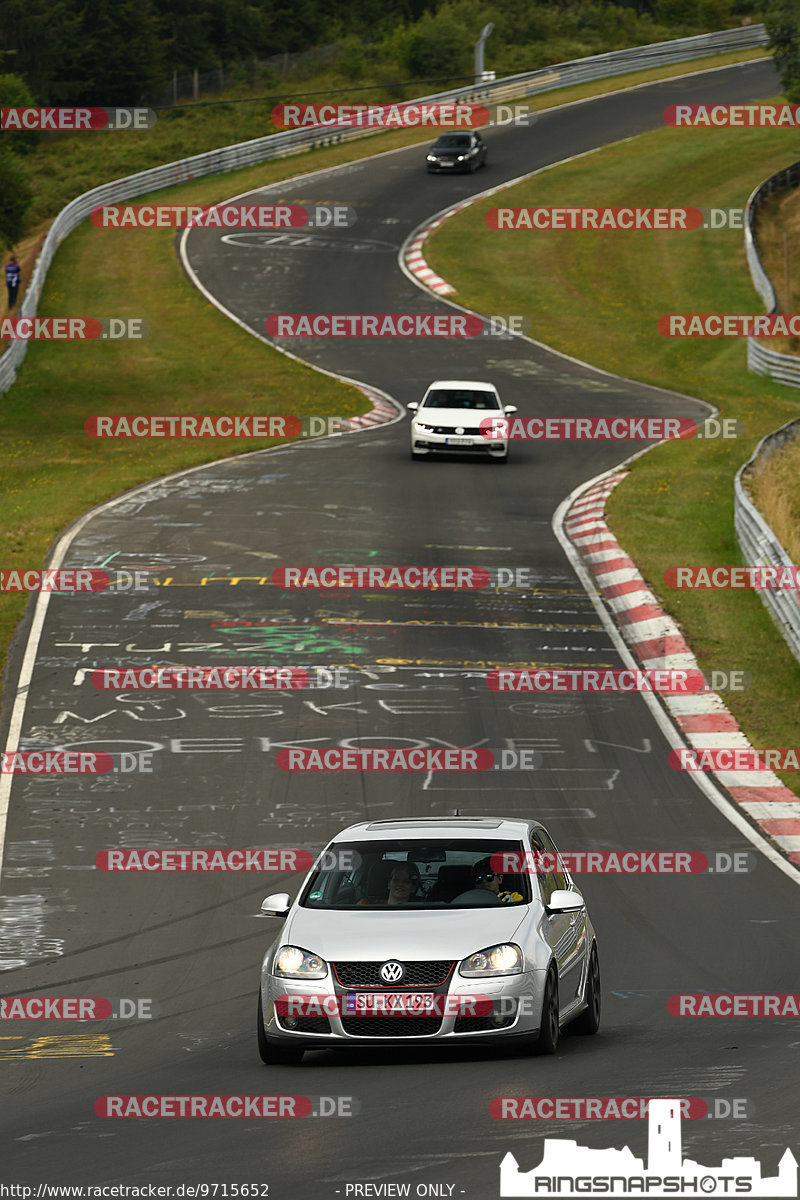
(293,963)
(505,959)
(423,428)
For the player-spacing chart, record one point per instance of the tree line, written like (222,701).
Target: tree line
(63,52)
(69,52)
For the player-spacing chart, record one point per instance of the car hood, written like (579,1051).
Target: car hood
(470,418)
(374,936)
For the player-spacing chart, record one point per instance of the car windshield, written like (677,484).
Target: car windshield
(453,141)
(461,398)
(412,874)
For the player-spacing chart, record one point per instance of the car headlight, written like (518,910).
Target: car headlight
(505,959)
(420,428)
(432,158)
(293,963)
(461,157)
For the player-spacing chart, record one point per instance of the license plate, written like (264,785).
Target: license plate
(458,441)
(386,1004)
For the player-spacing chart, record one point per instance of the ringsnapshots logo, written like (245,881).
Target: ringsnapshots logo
(568,1169)
(59,120)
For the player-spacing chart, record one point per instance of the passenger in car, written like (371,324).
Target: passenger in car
(484,877)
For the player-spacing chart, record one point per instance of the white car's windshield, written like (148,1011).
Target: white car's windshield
(413,874)
(461,398)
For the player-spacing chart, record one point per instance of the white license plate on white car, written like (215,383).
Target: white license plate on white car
(389,1004)
(455,441)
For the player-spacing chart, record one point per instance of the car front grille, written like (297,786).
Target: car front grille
(391,1027)
(425,974)
(449,431)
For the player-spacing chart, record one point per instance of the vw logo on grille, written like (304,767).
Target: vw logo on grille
(392,972)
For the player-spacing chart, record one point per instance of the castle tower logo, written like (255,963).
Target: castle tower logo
(568,1169)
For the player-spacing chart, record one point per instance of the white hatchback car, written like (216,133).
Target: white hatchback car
(453,417)
(405,932)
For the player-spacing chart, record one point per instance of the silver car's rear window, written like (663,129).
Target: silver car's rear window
(408,874)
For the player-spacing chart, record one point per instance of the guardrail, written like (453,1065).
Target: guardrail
(278,145)
(760,546)
(760,360)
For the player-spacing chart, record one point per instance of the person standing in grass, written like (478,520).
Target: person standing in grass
(13,278)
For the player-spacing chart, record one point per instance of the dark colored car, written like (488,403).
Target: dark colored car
(457,152)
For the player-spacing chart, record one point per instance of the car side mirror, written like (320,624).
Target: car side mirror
(277,905)
(510,408)
(413,406)
(563,900)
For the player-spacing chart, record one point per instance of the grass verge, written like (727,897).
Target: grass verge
(598,296)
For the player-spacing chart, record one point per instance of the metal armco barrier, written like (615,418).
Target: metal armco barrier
(278,145)
(759,545)
(760,360)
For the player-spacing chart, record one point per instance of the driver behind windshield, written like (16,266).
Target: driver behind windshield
(402,886)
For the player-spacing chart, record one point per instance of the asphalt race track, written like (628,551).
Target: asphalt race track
(416,664)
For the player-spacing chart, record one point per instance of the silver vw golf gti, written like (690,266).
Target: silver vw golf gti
(430,931)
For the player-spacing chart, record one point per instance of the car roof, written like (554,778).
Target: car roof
(435,827)
(461,383)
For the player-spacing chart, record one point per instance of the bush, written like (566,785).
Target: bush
(439,46)
(783,27)
(351,60)
(16,196)
(15,93)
